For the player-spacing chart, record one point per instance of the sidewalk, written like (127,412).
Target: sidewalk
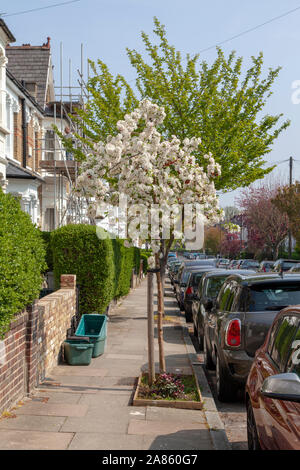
(89,407)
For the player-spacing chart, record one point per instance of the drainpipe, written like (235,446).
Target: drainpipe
(24,132)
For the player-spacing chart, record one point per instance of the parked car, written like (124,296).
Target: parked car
(282,265)
(238,322)
(266,266)
(273,387)
(295,268)
(222,263)
(194,278)
(204,296)
(233,264)
(173,270)
(181,281)
(249,264)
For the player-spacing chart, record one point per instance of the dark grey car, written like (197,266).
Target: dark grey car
(239,321)
(204,296)
(192,285)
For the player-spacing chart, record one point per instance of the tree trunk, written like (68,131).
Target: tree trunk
(160,315)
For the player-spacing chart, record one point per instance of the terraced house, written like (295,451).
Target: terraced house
(33,163)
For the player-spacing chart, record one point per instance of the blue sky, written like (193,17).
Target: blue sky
(107,27)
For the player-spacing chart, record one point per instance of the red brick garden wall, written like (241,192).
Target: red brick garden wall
(32,346)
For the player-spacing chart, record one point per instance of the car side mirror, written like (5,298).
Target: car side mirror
(282,387)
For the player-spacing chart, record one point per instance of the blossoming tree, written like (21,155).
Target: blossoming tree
(149,171)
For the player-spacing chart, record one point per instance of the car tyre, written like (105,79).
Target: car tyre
(226,390)
(188,316)
(252,436)
(208,362)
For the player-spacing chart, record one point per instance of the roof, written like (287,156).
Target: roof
(7,31)
(31,64)
(24,91)
(15,171)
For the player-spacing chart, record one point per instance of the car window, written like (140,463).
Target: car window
(274,329)
(273,296)
(223,296)
(226,296)
(232,296)
(213,286)
(283,339)
(293,363)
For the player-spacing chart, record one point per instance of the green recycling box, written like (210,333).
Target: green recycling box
(94,326)
(78,353)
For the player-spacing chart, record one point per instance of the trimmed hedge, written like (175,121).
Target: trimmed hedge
(77,250)
(49,258)
(103,266)
(22,260)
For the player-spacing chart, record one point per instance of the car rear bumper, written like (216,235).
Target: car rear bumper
(238,365)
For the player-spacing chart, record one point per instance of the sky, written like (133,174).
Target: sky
(107,27)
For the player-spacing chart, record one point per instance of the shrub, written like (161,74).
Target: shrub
(49,258)
(22,260)
(103,266)
(78,250)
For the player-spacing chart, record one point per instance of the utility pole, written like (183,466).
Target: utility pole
(291,182)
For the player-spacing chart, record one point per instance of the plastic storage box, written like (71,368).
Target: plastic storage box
(94,326)
(78,352)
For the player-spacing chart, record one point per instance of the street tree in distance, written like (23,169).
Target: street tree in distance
(220,103)
(266,225)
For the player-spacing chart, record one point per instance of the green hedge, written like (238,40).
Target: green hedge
(49,258)
(22,260)
(103,266)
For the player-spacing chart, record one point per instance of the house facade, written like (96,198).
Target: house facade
(33,164)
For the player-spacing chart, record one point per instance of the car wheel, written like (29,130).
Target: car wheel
(188,316)
(253,441)
(226,390)
(208,362)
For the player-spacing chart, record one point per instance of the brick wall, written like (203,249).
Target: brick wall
(32,346)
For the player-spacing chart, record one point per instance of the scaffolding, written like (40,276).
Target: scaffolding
(69,207)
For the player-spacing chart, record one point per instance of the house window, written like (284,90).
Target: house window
(49,145)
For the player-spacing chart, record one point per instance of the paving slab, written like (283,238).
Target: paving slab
(145,427)
(111,441)
(33,423)
(81,371)
(34,440)
(56,397)
(154,413)
(52,409)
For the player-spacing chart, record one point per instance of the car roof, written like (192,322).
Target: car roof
(221,272)
(260,278)
(288,260)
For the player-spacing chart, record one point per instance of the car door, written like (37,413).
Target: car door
(275,414)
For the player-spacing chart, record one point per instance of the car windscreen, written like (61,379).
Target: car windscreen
(213,286)
(268,297)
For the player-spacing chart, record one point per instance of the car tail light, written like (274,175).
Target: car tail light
(189,291)
(233,333)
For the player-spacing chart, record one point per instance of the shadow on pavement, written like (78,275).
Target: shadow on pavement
(184,440)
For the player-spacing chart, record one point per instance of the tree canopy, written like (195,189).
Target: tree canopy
(220,103)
